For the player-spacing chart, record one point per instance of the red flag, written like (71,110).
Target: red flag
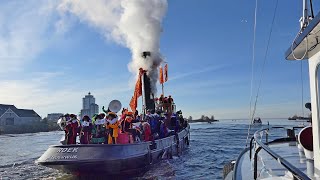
(161,76)
(166,73)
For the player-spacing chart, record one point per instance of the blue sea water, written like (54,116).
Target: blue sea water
(211,147)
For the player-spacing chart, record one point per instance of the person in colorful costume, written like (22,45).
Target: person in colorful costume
(153,120)
(163,130)
(127,126)
(112,125)
(99,130)
(167,119)
(66,127)
(86,129)
(161,99)
(175,123)
(147,131)
(170,99)
(72,129)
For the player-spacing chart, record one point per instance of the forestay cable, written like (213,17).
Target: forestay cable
(252,64)
(252,113)
(253,54)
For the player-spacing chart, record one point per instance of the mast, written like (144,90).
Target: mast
(143,96)
(305,17)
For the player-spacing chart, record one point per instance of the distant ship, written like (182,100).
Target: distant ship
(295,117)
(257,121)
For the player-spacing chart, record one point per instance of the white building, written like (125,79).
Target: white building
(54,116)
(10,115)
(89,106)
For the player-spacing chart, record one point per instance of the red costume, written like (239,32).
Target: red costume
(147,132)
(68,131)
(86,128)
(72,129)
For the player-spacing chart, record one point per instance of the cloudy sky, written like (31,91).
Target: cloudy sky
(51,57)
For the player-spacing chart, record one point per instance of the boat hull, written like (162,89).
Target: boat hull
(119,159)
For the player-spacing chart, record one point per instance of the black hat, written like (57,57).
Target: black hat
(86,118)
(112,114)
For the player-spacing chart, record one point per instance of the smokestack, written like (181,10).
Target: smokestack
(146,83)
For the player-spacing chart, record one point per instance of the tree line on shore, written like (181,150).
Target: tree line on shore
(203,118)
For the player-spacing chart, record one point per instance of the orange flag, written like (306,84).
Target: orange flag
(166,73)
(161,76)
(133,103)
(137,93)
(138,88)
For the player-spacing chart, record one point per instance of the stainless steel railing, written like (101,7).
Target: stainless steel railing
(297,173)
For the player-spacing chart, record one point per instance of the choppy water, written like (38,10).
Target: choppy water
(211,147)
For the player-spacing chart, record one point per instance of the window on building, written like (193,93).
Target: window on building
(9,121)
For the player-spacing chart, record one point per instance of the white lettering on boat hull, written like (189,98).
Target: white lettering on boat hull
(67,150)
(63,157)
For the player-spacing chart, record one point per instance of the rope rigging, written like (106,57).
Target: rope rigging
(253,53)
(301,73)
(252,112)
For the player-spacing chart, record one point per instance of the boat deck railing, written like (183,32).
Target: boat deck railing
(297,173)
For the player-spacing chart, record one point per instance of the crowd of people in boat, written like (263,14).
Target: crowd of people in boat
(129,127)
(163,99)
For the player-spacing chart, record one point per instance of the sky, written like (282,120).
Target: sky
(50,60)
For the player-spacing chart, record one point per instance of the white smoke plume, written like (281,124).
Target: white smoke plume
(135,24)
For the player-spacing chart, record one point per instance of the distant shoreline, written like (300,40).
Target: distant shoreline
(29,128)
(232,119)
(201,120)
